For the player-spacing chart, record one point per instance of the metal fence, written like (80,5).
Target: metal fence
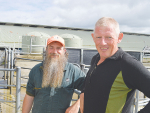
(77,56)
(17,99)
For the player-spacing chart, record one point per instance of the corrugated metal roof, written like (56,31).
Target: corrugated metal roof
(44,26)
(59,27)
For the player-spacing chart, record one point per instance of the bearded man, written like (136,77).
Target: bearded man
(51,84)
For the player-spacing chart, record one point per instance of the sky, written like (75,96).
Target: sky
(132,15)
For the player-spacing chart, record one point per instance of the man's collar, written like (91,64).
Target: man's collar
(117,54)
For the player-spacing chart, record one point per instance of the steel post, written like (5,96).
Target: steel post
(8,66)
(18,88)
(82,67)
(81,58)
(5,65)
(30,45)
(44,53)
(136,101)
(11,73)
(141,56)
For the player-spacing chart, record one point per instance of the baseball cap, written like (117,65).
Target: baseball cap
(56,38)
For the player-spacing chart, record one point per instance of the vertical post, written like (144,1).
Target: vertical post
(11,73)
(14,45)
(141,56)
(30,45)
(132,106)
(19,44)
(44,53)
(5,65)
(44,50)
(82,67)
(8,66)
(18,88)
(136,101)
(81,57)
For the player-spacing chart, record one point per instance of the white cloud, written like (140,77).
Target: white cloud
(132,16)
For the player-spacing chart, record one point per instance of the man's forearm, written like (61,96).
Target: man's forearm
(77,103)
(27,103)
(74,108)
(82,102)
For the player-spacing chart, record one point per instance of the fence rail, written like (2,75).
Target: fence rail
(18,88)
(9,64)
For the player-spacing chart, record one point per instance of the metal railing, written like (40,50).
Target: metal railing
(18,88)
(10,63)
(140,101)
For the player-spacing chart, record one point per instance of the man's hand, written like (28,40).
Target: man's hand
(74,108)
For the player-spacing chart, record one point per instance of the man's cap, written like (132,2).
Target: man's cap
(56,38)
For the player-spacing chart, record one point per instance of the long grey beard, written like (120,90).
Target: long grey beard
(53,71)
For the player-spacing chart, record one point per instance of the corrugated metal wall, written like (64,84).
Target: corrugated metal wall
(12,36)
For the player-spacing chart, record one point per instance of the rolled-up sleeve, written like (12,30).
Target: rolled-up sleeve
(30,85)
